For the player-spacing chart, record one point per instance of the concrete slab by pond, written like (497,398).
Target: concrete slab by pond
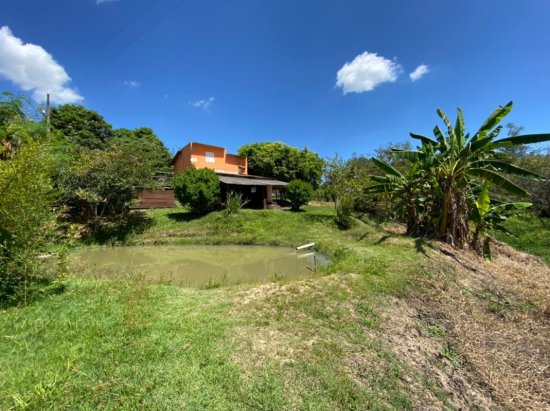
(195,265)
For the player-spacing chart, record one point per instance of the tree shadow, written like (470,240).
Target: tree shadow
(117,230)
(184,217)
(291,210)
(420,245)
(383,239)
(319,218)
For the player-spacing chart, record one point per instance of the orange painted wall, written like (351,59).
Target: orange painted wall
(198,156)
(194,155)
(236,164)
(183,159)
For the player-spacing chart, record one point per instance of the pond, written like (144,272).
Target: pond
(196,265)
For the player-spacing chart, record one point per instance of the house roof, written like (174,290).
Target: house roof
(240,180)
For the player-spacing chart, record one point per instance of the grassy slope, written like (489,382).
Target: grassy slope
(310,344)
(106,344)
(532,235)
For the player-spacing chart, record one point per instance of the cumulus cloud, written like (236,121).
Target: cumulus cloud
(419,72)
(132,83)
(32,68)
(98,2)
(204,103)
(365,72)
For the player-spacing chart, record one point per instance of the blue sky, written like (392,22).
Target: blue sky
(330,75)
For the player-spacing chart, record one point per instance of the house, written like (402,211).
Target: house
(232,170)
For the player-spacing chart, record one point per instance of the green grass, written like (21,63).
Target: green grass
(531,234)
(288,345)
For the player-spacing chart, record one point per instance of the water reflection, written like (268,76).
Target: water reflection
(197,266)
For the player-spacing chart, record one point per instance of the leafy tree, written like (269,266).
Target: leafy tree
(83,127)
(298,192)
(144,143)
(343,184)
(197,188)
(27,219)
(15,126)
(487,217)
(280,161)
(102,182)
(410,191)
(449,170)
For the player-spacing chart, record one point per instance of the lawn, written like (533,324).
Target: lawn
(530,234)
(126,345)
(329,342)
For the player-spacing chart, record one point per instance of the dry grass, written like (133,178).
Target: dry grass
(476,337)
(497,314)
(394,343)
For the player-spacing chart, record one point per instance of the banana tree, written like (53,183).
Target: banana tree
(408,189)
(455,159)
(487,217)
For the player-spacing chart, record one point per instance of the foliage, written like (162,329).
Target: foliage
(343,206)
(197,188)
(27,220)
(528,233)
(99,183)
(280,161)
(448,173)
(343,184)
(144,144)
(15,125)
(298,193)
(539,190)
(234,203)
(83,127)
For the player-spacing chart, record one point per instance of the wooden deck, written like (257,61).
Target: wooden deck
(156,199)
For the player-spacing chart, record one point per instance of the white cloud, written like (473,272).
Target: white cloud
(32,68)
(204,103)
(132,84)
(365,72)
(98,2)
(419,72)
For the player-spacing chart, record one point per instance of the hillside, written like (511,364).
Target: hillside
(392,323)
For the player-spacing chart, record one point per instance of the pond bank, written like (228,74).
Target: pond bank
(383,329)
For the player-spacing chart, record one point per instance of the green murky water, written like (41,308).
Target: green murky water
(196,266)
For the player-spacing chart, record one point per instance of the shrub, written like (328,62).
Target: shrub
(234,203)
(197,189)
(298,193)
(28,222)
(99,183)
(344,207)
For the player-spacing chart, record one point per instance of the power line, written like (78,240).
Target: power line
(116,34)
(134,39)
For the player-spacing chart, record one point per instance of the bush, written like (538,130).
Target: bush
(234,203)
(28,222)
(99,183)
(344,208)
(298,193)
(197,189)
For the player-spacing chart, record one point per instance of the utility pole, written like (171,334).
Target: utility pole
(48,110)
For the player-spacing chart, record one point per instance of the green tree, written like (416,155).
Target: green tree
(82,127)
(144,143)
(102,182)
(28,221)
(298,192)
(283,162)
(199,189)
(453,166)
